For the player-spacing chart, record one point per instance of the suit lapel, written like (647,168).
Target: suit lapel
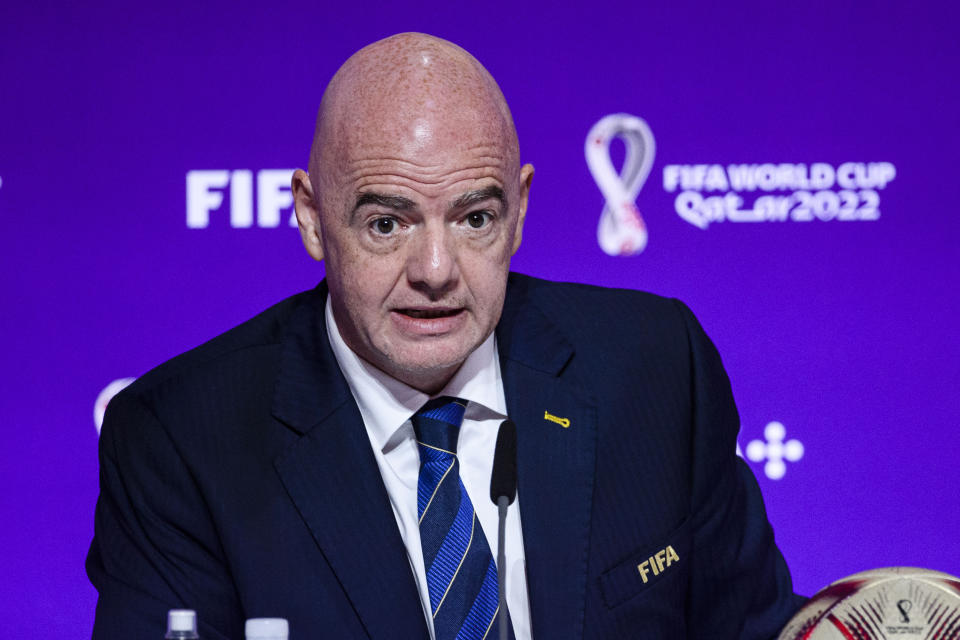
(332,477)
(556,442)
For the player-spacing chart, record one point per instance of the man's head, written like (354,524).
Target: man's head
(415,201)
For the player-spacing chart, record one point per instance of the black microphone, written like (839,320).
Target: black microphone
(503,491)
(503,480)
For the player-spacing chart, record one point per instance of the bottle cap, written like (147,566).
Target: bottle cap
(267,629)
(181,620)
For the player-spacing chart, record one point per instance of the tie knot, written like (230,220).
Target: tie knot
(437,423)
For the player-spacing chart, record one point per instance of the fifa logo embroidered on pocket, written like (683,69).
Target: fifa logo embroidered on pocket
(657,563)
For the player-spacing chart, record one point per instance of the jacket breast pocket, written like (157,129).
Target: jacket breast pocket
(660,567)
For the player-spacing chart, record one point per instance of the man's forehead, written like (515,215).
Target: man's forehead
(440,146)
(433,156)
(425,118)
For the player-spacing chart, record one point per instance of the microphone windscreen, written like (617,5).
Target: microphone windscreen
(503,480)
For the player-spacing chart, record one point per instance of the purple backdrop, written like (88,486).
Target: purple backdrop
(842,331)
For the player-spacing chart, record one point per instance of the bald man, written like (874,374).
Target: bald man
(329,461)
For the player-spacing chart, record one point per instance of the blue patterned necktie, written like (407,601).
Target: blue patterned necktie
(461,573)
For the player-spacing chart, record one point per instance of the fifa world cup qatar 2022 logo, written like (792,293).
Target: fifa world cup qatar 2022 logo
(621,231)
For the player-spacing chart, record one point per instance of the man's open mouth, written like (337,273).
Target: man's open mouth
(430,313)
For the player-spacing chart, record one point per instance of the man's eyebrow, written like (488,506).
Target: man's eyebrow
(473,197)
(397,203)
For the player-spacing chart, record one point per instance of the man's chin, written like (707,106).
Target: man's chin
(427,370)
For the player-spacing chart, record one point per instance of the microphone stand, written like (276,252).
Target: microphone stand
(503,490)
(502,503)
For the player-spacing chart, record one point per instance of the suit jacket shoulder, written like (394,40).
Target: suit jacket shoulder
(265,331)
(616,334)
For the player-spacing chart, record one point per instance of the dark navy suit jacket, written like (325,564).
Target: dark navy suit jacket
(238,480)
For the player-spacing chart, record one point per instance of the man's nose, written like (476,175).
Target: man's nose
(432,263)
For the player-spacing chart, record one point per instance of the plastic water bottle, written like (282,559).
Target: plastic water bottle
(267,629)
(182,625)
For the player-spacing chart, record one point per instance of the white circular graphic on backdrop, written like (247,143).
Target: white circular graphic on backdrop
(621,231)
(775,451)
(104,397)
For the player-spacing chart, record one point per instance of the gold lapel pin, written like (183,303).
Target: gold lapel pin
(563,422)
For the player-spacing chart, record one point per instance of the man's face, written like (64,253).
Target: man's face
(418,228)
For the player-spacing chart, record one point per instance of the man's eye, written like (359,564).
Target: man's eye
(385,226)
(478,219)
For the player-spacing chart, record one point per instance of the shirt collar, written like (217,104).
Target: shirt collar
(386,404)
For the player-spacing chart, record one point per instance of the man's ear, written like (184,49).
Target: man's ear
(526,177)
(308,214)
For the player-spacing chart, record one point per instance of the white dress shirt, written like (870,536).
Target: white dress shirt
(386,406)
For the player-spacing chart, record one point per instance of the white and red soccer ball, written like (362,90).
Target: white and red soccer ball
(896,602)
